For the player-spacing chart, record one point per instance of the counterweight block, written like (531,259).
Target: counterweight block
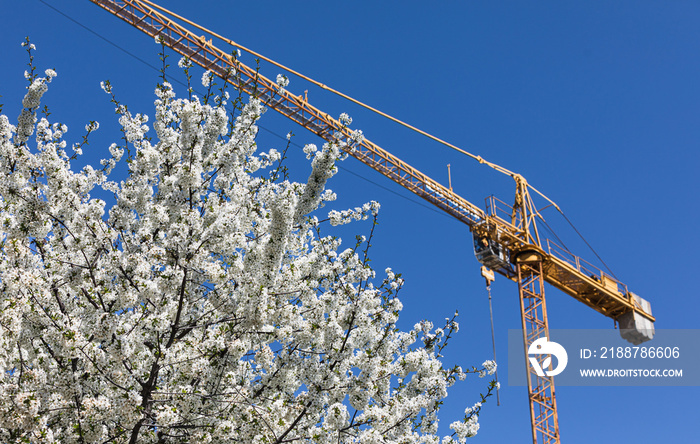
(634,327)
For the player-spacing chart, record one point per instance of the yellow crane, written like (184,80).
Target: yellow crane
(506,239)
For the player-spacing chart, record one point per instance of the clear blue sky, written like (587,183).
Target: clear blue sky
(595,103)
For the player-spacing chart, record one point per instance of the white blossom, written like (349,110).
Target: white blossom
(207,78)
(203,302)
(184,62)
(282,81)
(106,87)
(358,213)
(490,367)
(92,126)
(345,119)
(34,92)
(466,429)
(309,150)
(357,136)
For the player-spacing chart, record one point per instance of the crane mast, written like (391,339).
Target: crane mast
(505,236)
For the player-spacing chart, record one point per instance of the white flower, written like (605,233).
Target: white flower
(282,82)
(207,78)
(106,87)
(347,216)
(184,62)
(92,126)
(134,126)
(468,411)
(309,150)
(490,367)
(345,119)
(466,429)
(357,136)
(33,97)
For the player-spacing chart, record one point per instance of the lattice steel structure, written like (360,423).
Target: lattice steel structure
(543,403)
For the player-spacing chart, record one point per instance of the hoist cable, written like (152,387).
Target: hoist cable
(493,343)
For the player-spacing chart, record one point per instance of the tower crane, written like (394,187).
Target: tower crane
(506,239)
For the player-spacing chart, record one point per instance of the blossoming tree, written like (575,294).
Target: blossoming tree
(204,304)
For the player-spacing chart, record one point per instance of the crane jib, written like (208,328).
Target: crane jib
(608,301)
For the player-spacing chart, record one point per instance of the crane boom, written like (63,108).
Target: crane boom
(565,271)
(224,65)
(505,237)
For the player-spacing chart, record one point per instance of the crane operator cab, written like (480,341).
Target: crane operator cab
(492,254)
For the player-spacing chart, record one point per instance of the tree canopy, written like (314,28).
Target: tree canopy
(202,302)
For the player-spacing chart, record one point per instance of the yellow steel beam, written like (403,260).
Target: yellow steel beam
(533,315)
(200,49)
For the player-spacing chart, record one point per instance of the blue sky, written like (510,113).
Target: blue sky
(595,103)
